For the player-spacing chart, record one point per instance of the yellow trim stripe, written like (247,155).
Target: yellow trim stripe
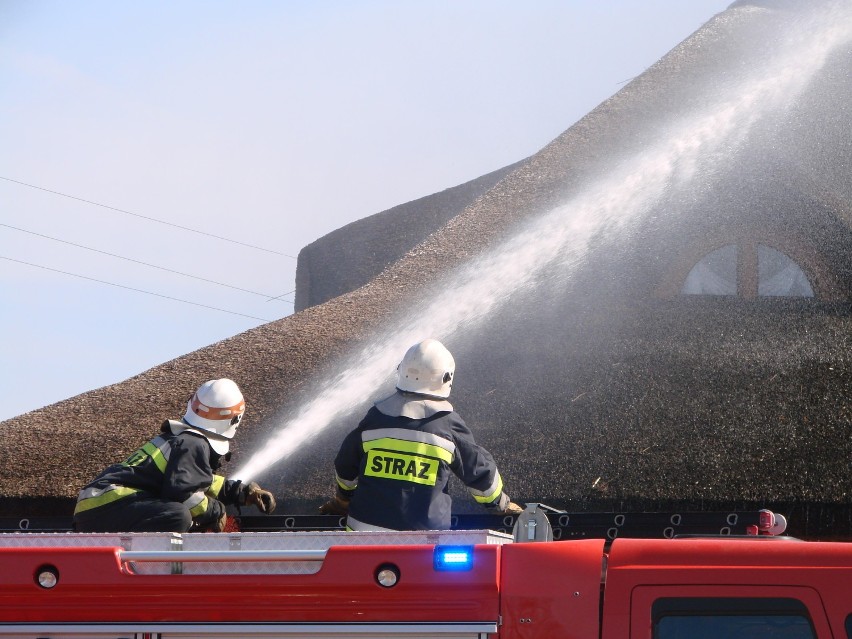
(487,499)
(216,486)
(416,448)
(409,436)
(200,508)
(156,455)
(344,484)
(119,492)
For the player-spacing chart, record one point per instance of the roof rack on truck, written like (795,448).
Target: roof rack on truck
(564,525)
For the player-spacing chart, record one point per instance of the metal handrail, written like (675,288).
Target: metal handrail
(222,555)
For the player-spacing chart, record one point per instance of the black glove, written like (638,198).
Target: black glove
(253,495)
(335,506)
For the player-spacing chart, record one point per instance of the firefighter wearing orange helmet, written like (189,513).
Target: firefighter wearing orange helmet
(169,484)
(393,470)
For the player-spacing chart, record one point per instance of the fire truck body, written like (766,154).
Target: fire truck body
(764,587)
(358,585)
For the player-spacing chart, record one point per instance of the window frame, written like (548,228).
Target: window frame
(820,273)
(747,271)
(643,599)
(758,607)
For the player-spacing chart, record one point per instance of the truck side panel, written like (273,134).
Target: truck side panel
(95,586)
(810,577)
(551,590)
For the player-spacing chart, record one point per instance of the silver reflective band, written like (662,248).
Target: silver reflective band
(88,493)
(194,499)
(488,492)
(346,483)
(356,525)
(409,435)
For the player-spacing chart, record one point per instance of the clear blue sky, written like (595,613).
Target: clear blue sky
(264,123)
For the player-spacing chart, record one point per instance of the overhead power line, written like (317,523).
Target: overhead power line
(145,217)
(278,297)
(130,288)
(162,268)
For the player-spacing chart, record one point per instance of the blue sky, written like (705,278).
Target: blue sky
(266,124)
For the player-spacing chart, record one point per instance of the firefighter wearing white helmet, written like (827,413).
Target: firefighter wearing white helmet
(214,411)
(169,484)
(392,471)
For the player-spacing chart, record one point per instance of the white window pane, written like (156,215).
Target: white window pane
(714,274)
(778,275)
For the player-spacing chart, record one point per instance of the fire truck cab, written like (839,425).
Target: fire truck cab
(425,584)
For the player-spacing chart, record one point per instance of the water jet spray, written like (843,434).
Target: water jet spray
(685,155)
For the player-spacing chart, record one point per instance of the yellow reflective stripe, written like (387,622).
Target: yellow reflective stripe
(409,436)
(157,449)
(403,467)
(216,486)
(487,499)
(108,497)
(403,446)
(346,484)
(156,455)
(200,508)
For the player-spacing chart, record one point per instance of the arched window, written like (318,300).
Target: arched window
(778,275)
(714,274)
(747,270)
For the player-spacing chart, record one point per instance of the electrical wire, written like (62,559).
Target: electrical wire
(162,268)
(145,217)
(130,288)
(272,299)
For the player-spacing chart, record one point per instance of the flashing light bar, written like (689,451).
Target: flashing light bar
(453,558)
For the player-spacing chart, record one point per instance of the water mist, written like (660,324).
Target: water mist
(685,156)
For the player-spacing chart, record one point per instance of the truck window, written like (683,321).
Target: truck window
(849,627)
(731,618)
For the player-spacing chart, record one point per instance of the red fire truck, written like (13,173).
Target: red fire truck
(426,584)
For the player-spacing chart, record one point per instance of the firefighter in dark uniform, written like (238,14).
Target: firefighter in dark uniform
(393,470)
(169,485)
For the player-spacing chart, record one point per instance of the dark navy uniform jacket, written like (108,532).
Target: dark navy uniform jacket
(395,468)
(174,467)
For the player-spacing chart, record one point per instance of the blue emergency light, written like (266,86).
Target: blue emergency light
(453,558)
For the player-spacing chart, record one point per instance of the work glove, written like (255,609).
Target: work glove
(505,506)
(253,495)
(220,524)
(335,506)
(512,509)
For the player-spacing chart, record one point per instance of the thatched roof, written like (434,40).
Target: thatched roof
(591,379)
(352,255)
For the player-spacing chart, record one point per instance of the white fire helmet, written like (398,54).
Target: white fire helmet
(216,408)
(427,368)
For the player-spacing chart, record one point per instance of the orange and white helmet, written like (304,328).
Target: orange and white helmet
(427,368)
(215,411)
